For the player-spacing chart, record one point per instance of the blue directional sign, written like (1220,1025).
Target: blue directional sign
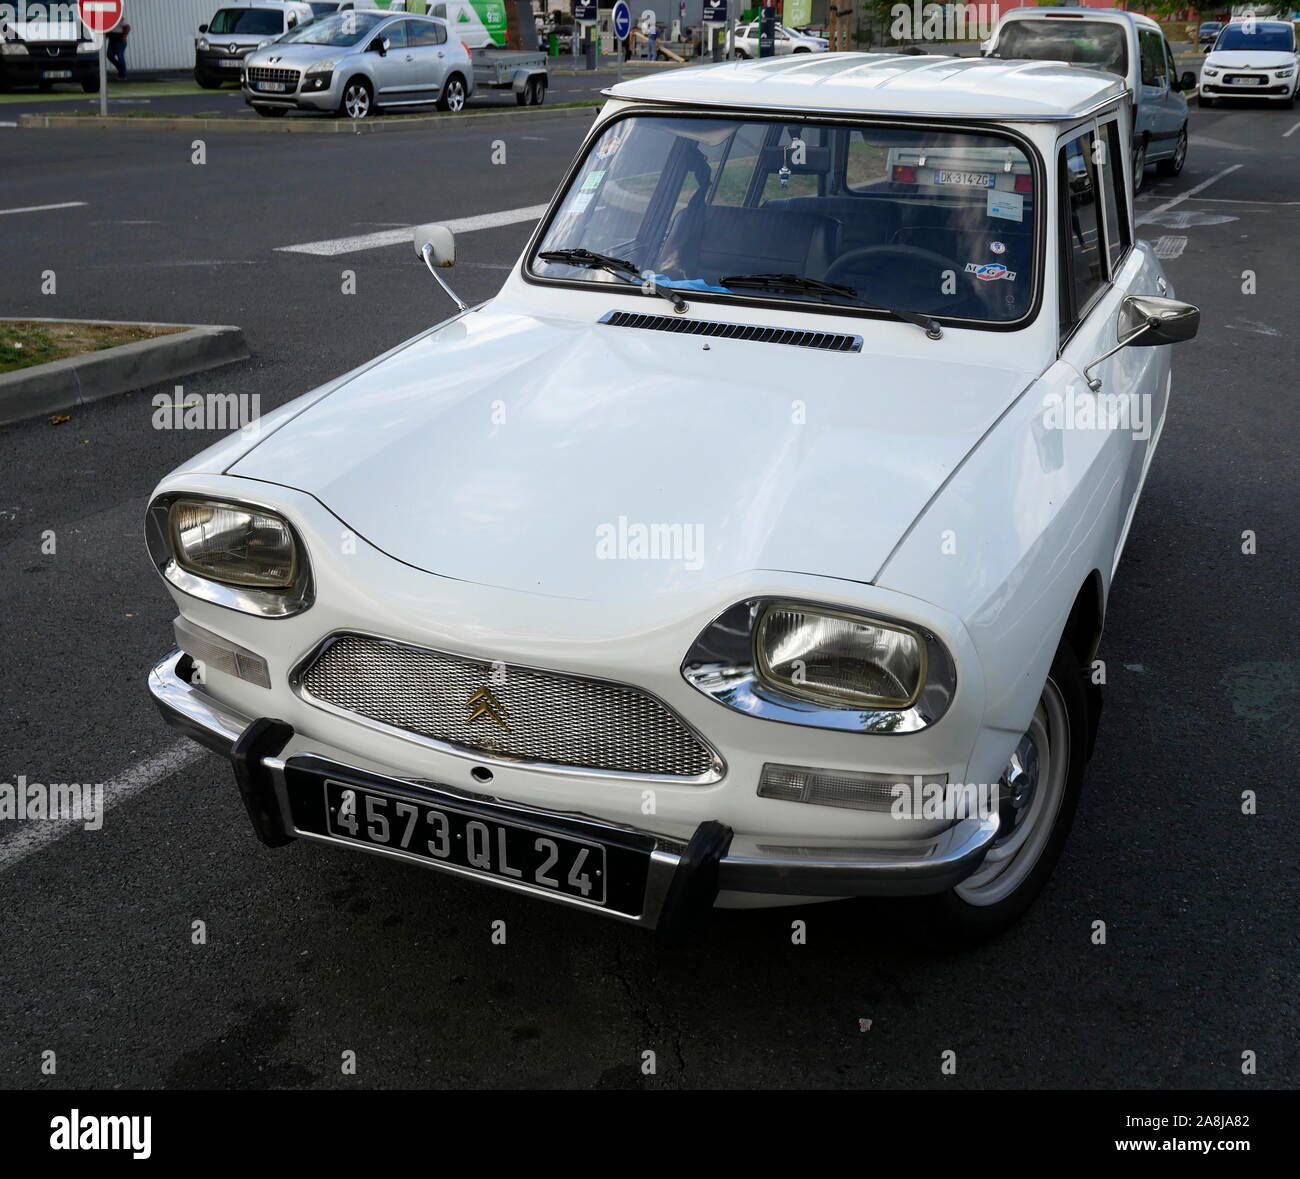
(622,20)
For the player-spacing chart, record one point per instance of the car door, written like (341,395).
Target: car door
(427,42)
(1113,426)
(1154,117)
(1175,102)
(394,71)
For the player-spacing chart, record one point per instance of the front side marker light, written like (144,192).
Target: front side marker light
(848,789)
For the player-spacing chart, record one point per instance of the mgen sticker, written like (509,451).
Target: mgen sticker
(990,271)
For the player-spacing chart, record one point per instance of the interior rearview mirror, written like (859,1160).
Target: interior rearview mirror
(1146,321)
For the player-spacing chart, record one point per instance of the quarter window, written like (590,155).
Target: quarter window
(1083,264)
(1115,194)
(425,32)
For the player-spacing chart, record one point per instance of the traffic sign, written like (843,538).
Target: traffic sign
(622,20)
(101,16)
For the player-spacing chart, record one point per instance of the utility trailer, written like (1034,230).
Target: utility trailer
(512,69)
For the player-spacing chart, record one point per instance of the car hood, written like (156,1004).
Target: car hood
(598,462)
(296,55)
(1237,59)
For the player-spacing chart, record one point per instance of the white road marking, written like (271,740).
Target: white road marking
(35,834)
(6,124)
(43,208)
(1291,130)
(1170,247)
(1237,201)
(395,237)
(1191,192)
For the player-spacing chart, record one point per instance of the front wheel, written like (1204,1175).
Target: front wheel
(453,95)
(1036,797)
(206,80)
(358,102)
(1174,165)
(1139,165)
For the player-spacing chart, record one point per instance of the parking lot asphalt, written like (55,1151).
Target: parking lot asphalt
(311,953)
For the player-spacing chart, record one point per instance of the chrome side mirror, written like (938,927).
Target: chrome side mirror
(436,244)
(1146,321)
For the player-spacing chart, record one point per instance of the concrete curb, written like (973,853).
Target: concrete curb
(65,384)
(305,126)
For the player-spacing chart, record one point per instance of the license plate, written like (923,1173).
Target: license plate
(277,87)
(1248,81)
(568,866)
(230,63)
(57,74)
(965,179)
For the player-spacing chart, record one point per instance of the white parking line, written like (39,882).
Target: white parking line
(43,208)
(38,833)
(1291,130)
(394,237)
(1151,214)
(1170,247)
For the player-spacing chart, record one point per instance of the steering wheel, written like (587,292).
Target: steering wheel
(845,263)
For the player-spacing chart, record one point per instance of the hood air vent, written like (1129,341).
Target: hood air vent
(823,341)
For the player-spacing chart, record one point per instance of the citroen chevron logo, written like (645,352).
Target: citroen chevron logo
(482,703)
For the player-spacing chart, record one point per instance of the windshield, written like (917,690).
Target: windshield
(933,222)
(1261,37)
(1099,44)
(324,8)
(340,30)
(252,22)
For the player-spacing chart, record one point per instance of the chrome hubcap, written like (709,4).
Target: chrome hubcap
(455,96)
(1029,795)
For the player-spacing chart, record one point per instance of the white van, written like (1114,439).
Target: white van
(235,30)
(1122,43)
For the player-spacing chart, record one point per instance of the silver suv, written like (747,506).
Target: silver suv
(353,63)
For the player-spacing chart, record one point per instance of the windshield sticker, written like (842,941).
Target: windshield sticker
(990,271)
(581,201)
(1010,206)
(998,247)
(593,180)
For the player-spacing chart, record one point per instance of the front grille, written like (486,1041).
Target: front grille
(267,74)
(545,717)
(824,341)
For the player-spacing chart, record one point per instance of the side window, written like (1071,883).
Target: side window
(1153,57)
(423,32)
(439,10)
(1083,266)
(1110,161)
(1171,66)
(396,34)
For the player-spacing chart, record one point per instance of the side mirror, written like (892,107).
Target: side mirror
(380,46)
(1207,49)
(203,28)
(439,241)
(437,246)
(1146,321)
(1187,81)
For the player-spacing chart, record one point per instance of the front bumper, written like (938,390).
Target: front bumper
(683,877)
(32,69)
(1279,89)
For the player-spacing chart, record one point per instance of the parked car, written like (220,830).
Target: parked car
(1252,59)
(1209,30)
(751,546)
(744,41)
(354,63)
(235,31)
(44,52)
(1126,44)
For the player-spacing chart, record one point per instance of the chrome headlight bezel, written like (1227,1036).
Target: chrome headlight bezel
(265,602)
(722,664)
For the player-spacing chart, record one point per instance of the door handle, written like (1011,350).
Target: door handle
(410,57)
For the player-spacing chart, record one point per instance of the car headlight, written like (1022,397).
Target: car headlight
(13,49)
(322,67)
(1284,73)
(804,663)
(201,43)
(1209,73)
(232,544)
(837,659)
(243,556)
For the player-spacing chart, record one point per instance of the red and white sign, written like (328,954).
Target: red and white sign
(101,16)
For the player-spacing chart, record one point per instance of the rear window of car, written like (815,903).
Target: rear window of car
(253,22)
(1097,44)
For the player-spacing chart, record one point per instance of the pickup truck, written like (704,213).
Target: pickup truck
(751,547)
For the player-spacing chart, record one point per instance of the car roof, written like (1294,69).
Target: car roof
(1104,14)
(886,83)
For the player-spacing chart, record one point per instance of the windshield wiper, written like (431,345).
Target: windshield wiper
(798,284)
(590,260)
